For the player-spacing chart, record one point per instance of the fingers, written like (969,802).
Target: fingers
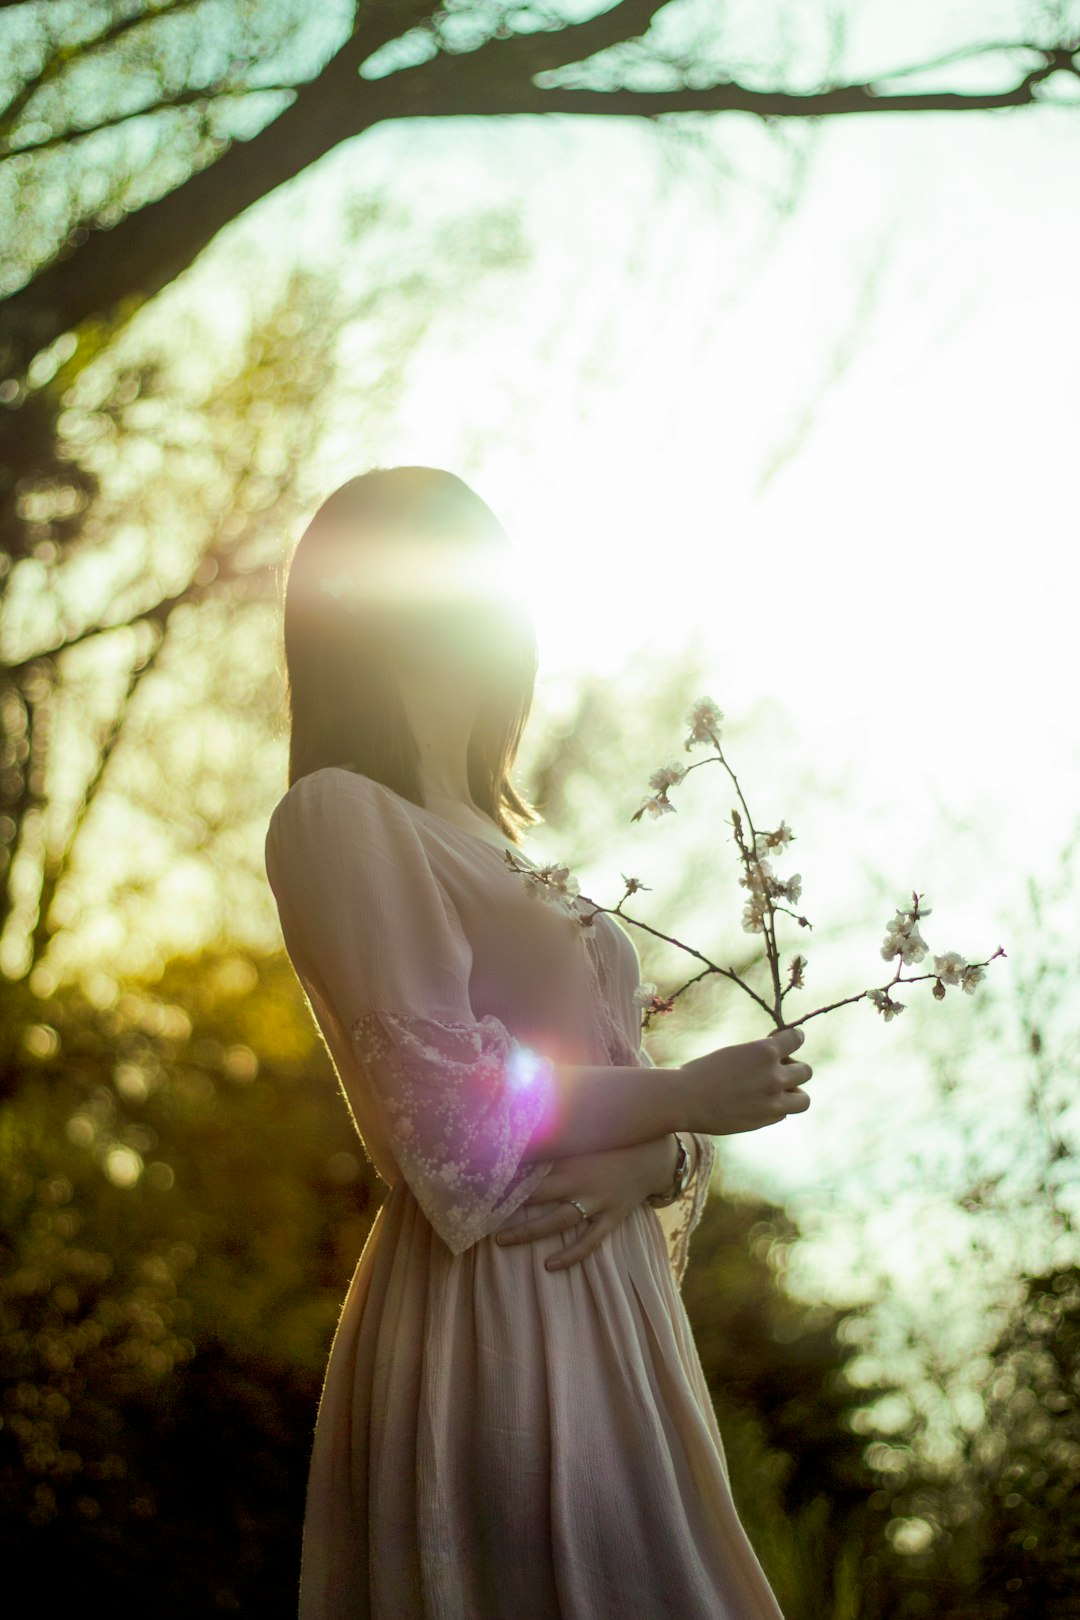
(544,1193)
(595,1232)
(796,1074)
(560,1218)
(787,1040)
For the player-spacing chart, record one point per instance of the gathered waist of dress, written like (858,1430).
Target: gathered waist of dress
(639,1234)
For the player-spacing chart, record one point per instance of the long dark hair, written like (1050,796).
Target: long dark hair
(342,701)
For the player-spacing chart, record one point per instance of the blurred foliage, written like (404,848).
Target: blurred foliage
(142,494)
(848,1517)
(1027,1459)
(181,1216)
(788,1413)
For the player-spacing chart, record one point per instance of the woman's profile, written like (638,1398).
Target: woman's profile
(514,1423)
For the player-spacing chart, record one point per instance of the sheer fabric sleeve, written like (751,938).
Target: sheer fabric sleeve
(680,1218)
(376,938)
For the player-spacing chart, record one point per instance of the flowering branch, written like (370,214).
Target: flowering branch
(903,939)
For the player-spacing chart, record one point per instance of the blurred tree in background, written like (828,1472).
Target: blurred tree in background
(178,1219)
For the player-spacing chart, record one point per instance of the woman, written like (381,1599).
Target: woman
(514,1421)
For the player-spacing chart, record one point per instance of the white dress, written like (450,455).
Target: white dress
(494,1441)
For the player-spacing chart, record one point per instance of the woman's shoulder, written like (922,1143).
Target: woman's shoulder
(337,798)
(340,782)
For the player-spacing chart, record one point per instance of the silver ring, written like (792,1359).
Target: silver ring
(577,1206)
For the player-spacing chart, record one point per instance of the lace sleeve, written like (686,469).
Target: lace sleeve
(680,1218)
(379,947)
(461,1101)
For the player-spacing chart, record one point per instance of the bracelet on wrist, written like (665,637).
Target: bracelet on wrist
(681,1178)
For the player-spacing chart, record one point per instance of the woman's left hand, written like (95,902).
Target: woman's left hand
(609,1185)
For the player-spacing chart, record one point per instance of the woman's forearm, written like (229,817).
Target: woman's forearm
(606,1106)
(586,1108)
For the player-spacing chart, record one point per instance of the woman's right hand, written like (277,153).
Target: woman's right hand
(742,1088)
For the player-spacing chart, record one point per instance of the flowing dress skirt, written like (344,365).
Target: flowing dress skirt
(500,1442)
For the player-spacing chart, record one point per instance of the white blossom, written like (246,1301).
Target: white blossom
(910,946)
(753,918)
(554,885)
(907,913)
(644,993)
(903,938)
(949,967)
(703,717)
(667,776)
(657,806)
(970,978)
(764,841)
(759,879)
(885,1004)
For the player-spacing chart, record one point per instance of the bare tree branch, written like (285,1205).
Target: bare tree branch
(151,246)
